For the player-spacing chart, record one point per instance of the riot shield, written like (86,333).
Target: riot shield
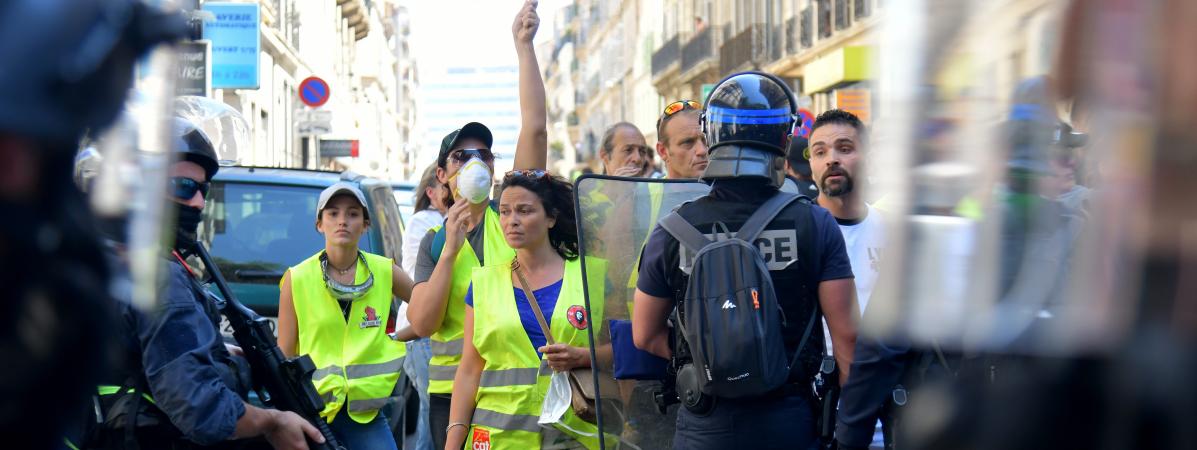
(125,177)
(616,215)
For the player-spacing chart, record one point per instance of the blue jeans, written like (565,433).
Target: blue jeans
(373,435)
(773,423)
(415,365)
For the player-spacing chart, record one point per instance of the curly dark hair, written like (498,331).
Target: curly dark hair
(557,196)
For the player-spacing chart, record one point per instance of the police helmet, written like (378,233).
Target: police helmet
(194,146)
(747,122)
(73,66)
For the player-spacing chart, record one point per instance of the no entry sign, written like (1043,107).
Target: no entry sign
(313,91)
(805,120)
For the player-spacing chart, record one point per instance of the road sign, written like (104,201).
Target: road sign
(338,147)
(314,92)
(236,44)
(806,119)
(313,122)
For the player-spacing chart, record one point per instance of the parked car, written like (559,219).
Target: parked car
(260,221)
(405,197)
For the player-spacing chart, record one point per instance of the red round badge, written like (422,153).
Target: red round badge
(578,317)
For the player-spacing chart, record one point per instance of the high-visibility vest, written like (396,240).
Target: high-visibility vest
(446,342)
(514,379)
(357,364)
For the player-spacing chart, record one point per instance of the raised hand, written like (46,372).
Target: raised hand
(523,29)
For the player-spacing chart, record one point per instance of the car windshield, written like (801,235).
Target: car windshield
(257,231)
(406,202)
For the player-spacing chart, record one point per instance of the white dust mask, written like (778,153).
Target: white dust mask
(474,181)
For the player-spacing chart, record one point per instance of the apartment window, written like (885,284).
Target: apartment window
(842,19)
(824,11)
(806,26)
(862,9)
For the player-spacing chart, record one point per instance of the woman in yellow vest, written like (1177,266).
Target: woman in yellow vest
(334,307)
(506,361)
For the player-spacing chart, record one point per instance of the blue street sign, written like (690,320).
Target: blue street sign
(236,44)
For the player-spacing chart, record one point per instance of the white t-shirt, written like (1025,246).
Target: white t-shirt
(417,227)
(864,241)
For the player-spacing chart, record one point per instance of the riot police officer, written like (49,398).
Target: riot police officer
(747,121)
(65,69)
(181,386)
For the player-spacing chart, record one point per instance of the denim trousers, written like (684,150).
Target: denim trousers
(373,435)
(415,365)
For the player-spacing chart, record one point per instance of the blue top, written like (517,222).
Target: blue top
(185,363)
(546,297)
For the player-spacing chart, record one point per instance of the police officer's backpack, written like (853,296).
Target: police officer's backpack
(730,317)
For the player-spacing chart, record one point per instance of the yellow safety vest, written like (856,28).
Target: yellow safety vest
(446,342)
(514,380)
(357,364)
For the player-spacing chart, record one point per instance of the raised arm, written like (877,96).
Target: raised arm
(532,147)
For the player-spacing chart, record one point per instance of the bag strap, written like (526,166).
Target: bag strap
(685,233)
(810,326)
(757,222)
(544,325)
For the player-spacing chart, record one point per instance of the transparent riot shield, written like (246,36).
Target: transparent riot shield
(125,173)
(615,217)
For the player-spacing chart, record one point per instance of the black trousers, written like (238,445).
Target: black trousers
(770,423)
(438,418)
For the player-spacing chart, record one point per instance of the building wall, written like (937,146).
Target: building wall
(488,95)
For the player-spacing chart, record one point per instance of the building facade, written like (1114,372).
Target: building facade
(488,95)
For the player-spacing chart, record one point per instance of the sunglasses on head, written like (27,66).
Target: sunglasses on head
(185,188)
(463,155)
(534,174)
(680,105)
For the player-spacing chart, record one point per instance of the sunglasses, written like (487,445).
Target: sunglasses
(185,188)
(534,174)
(680,105)
(463,156)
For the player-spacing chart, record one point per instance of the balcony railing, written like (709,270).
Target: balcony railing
(745,47)
(791,36)
(777,41)
(666,55)
(806,28)
(698,49)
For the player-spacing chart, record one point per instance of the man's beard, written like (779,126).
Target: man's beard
(843,188)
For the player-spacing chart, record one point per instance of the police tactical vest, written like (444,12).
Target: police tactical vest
(512,387)
(357,364)
(446,342)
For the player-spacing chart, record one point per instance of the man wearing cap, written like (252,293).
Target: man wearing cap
(189,387)
(680,141)
(336,308)
(444,264)
(798,176)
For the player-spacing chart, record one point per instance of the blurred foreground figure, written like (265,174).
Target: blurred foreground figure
(1055,322)
(65,69)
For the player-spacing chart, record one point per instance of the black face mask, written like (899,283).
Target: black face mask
(186,225)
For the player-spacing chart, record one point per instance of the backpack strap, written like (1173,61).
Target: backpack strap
(810,326)
(765,214)
(685,233)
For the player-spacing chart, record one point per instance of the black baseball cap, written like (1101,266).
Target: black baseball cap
(472,130)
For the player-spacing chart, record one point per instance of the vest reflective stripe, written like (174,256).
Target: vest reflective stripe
(358,363)
(514,380)
(369,370)
(368,405)
(442,373)
(508,377)
(326,371)
(447,348)
(445,342)
(498,420)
